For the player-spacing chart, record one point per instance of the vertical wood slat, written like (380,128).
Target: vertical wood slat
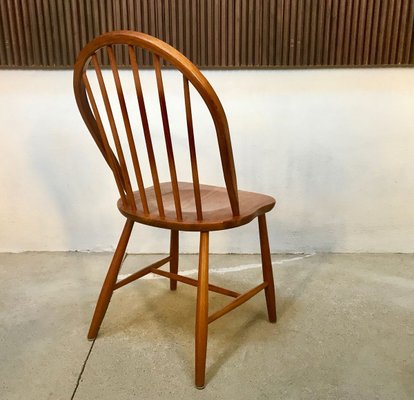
(403,27)
(243,27)
(300,31)
(3,43)
(341,33)
(13,42)
(214,33)
(408,53)
(114,130)
(191,143)
(41,32)
(272,32)
(375,27)
(167,135)
(34,33)
(320,33)
(56,49)
(237,39)
(388,32)
(292,32)
(223,33)
(286,31)
(368,31)
(20,29)
(334,32)
(327,32)
(395,32)
(360,33)
(49,32)
(145,128)
(381,31)
(128,129)
(62,33)
(313,30)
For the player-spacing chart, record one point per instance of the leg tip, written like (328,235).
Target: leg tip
(273,319)
(200,383)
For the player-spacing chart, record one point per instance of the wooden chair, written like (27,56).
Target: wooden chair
(177,206)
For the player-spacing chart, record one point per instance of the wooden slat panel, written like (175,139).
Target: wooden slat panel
(214,33)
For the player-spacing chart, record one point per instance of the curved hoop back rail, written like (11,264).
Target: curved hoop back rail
(115,155)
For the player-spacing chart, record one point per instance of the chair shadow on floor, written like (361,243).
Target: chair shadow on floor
(155,304)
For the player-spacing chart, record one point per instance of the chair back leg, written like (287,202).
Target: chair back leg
(267,269)
(174,243)
(201,329)
(110,280)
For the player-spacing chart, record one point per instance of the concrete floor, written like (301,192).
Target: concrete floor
(345,330)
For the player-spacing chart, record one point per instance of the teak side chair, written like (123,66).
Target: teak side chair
(176,206)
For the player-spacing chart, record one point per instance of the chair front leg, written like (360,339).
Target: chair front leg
(267,269)
(110,280)
(201,330)
(174,257)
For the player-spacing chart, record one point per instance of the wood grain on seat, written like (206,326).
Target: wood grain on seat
(217,213)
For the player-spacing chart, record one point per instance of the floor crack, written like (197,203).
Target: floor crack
(81,372)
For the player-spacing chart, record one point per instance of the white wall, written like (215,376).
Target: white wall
(336,147)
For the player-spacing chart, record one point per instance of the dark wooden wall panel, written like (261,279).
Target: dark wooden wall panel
(215,33)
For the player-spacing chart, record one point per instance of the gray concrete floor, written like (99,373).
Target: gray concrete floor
(345,330)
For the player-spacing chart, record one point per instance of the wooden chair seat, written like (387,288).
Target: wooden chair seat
(217,213)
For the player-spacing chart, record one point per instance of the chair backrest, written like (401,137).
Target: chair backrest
(114,154)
